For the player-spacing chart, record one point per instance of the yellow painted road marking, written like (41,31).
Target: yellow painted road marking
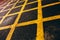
(39,21)
(16,22)
(8,12)
(40,32)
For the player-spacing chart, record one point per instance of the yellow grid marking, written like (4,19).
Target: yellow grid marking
(52,4)
(13,3)
(47,5)
(23,12)
(19,24)
(39,21)
(5,6)
(40,32)
(8,12)
(51,18)
(19,6)
(16,22)
(32,22)
(31,8)
(10,8)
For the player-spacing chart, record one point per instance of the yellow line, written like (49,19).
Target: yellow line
(16,22)
(34,21)
(30,9)
(13,3)
(40,32)
(47,5)
(27,23)
(8,12)
(23,11)
(51,18)
(44,20)
(18,12)
(31,2)
(10,8)
(5,6)
(34,8)
(19,6)
(26,4)
(52,4)
(20,24)
(5,27)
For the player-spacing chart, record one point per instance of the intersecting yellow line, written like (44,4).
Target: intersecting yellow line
(19,24)
(8,12)
(29,22)
(5,6)
(32,8)
(23,11)
(47,5)
(40,32)
(39,21)
(32,22)
(12,4)
(18,12)
(19,6)
(26,4)
(16,22)
(9,8)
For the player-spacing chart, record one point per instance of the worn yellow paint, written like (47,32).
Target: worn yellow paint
(47,5)
(39,21)
(8,12)
(16,22)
